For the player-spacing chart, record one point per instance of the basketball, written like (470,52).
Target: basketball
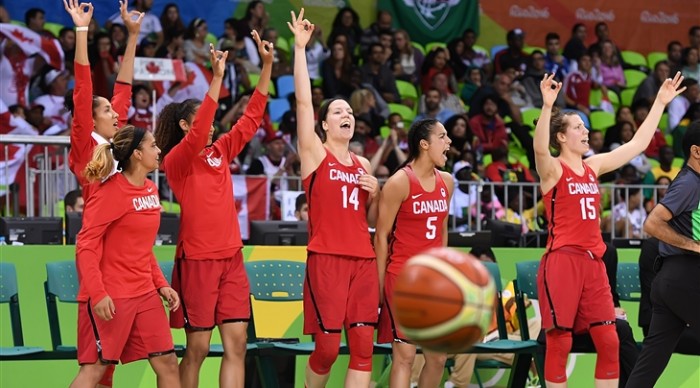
(443,300)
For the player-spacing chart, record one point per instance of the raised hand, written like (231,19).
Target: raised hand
(80,13)
(133,26)
(265,49)
(669,89)
(302,29)
(550,89)
(218,61)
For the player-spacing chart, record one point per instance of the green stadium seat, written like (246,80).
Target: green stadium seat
(9,294)
(406,113)
(531,49)
(54,28)
(655,57)
(419,47)
(663,123)
(529,115)
(602,120)
(678,162)
(481,49)
(626,97)
(628,286)
(255,78)
(634,78)
(633,58)
(61,286)
(407,90)
(433,45)
(283,44)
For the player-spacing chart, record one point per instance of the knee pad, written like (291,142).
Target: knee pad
(325,353)
(558,348)
(361,348)
(107,377)
(607,345)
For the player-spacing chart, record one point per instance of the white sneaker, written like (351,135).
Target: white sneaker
(449,384)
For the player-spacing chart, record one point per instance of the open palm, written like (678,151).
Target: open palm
(80,13)
(302,29)
(669,89)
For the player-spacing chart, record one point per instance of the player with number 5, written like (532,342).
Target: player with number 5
(572,283)
(341,288)
(413,208)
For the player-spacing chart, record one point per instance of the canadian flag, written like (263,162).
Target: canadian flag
(251,195)
(32,43)
(12,155)
(159,69)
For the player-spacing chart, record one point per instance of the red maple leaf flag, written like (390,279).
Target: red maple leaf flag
(34,44)
(159,69)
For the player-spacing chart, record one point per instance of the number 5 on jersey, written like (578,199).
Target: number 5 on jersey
(432,229)
(351,199)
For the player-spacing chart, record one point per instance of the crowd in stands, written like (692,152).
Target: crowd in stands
(486,102)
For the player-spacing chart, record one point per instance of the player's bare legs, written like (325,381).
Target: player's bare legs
(232,372)
(195,353)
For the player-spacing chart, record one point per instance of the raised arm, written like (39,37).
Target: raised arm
(395,191)
(610,161)
(311,151)
(121,99)
(547,166)
(242,132)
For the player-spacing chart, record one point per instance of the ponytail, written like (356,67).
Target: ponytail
(125,142)
(101,165)
(420,130)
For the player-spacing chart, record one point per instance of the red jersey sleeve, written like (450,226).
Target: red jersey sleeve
(245,128)
(121,101)
(81,142)
(100,211)
(158,278)
(179,160)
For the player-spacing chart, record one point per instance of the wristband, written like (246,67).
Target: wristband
(84,28)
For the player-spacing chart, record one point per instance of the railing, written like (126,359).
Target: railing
(473,202)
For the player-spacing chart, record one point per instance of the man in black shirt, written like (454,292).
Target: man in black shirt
(676,290)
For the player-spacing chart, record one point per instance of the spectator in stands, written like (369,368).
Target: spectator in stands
(363,134)
(301,208)
(376,72)
(104,66)
(503,170)
(364,105)
(578,85)
(347,23)
(674,54)
(640,111)
(651,84)
(691,115)
(640,162)
(393,150)
(612,134)
(611,67)
(596,143)
(534,73)
(171,21)
(67,39)
(277,167)
(4,15)
(475,79)
(602,33)
(461,135)
(437,62)
(448,100)
(55,85)
(281,64)
(150,25)
(406,61)
(34,19)
(372,33)
(555,62)
(141,112)
(659,194)
(474,58)
(691,65)
(694,37)
(196,48)
(174,42)
(628,214)
(665,167)
(118,35)
(316,52)
(337,71)
(433,107)
(255,19)
(679,106)
(488,126)
(513,56)
(575,47)
(455,48)
(73,201)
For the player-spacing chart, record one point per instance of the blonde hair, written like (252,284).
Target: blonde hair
(358,98)
(102,163)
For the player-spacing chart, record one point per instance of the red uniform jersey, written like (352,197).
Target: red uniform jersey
(338,209)
(572,208)
(114,252)
(420,221)
(82,140)
(201,181)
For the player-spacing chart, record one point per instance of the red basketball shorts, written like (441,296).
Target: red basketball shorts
(339,291)
(212,292)
(574,291)
(387,329)
(138,330)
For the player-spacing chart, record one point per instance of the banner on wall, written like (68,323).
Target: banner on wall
(289,204)
(637,25)
(433,20)
(251,194)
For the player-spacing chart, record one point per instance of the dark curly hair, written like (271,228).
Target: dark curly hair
(168,131)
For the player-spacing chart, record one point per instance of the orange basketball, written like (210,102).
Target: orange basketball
(443,300)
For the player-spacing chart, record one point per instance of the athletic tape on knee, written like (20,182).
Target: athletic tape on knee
(558,348)
(325,353)
(361,348)
(607,345)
